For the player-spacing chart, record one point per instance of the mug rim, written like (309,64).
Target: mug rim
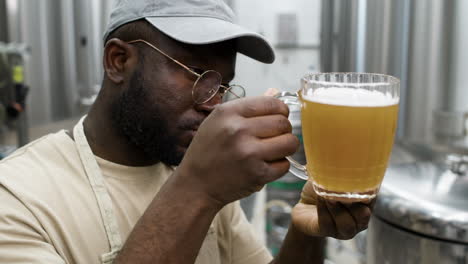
(311,78)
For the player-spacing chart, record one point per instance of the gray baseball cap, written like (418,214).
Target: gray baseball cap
(192,22)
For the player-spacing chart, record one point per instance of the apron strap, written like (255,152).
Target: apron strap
(102,196)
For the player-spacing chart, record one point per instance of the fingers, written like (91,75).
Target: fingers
(258,106)
(308,194)
(279,147)
(361,214)
(273,152)
(268,126)
(326,223)
(271,92)
(273,171)
(331,218)
(345,223)
(370,203)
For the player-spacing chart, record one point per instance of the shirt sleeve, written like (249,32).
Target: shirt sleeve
(22,239)
(246,246)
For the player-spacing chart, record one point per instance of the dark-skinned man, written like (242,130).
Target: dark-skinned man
(154,172)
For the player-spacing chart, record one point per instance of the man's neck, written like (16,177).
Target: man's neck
(108,142)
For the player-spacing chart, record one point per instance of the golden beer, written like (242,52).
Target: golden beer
(348,146)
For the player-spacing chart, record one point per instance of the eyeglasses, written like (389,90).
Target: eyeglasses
(208,83)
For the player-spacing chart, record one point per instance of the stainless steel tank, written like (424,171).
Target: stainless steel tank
(421,213)
(65,63)
(3,22)
(422,43)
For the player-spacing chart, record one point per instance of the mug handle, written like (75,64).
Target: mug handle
(296,168)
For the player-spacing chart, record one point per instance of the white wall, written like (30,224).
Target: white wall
(260,15)
(291,64)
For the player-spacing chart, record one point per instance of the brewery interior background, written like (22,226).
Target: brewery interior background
(50,72)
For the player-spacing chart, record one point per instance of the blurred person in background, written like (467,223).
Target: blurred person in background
(154,172)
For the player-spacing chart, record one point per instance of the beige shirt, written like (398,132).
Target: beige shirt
(49,214)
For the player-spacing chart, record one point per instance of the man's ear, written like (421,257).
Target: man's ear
(119,60)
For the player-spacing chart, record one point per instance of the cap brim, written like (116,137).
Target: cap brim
(206,30)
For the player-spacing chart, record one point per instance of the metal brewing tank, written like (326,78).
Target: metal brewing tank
(421,213)
(65,62)
(421,42)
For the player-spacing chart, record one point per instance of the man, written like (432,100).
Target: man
(109,191)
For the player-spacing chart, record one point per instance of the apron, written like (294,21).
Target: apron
(209,252)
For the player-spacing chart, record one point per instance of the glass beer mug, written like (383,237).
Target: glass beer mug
(349,122)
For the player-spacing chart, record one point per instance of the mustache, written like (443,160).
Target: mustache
(190,124)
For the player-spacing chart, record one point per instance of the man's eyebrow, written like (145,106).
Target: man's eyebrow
(200,71)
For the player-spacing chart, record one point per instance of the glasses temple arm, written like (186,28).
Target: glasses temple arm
(165,55)
(228,89)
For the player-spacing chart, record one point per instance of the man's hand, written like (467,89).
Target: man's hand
(315,216)
(239,148)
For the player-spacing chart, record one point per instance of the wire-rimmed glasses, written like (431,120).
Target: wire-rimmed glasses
(207,84)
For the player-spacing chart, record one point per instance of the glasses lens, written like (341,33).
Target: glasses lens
(234,92)
(206,87)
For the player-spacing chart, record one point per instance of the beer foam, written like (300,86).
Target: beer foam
(350,97)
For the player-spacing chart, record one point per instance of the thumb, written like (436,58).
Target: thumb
(271,92)
(308,195)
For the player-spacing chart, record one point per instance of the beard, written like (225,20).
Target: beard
(142,122)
